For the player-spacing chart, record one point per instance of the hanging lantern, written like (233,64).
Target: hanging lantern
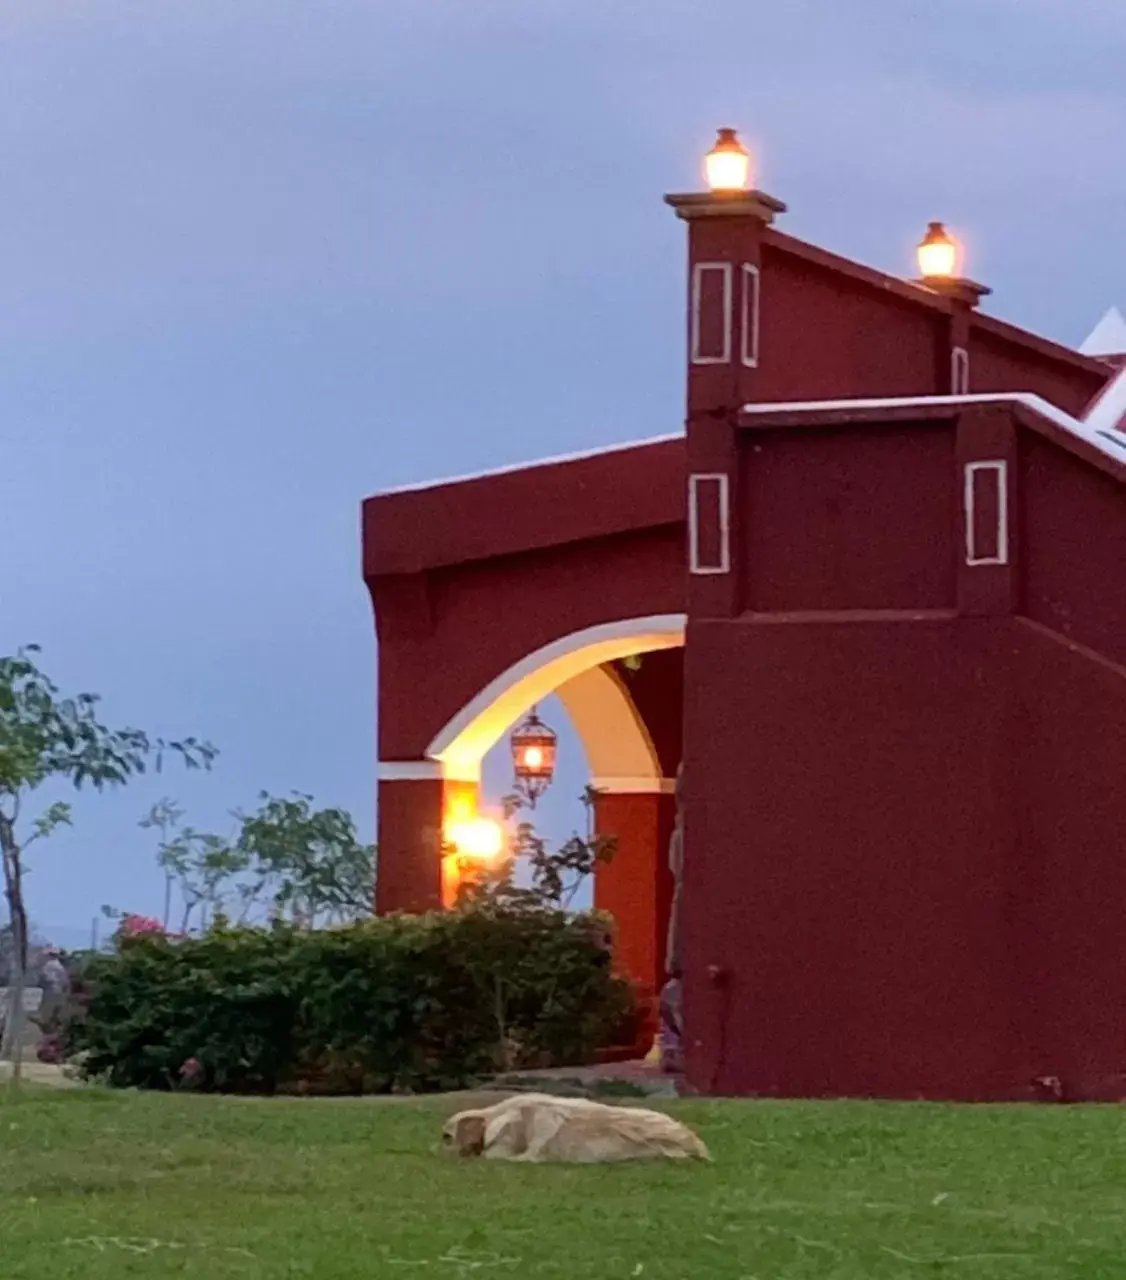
(533,757)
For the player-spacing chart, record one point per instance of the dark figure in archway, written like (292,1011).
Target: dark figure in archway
(671,1032)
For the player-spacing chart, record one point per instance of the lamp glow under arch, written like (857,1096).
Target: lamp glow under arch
(937,253)
(478,838)
(727,166)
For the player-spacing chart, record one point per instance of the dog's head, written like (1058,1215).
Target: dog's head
(464,1134)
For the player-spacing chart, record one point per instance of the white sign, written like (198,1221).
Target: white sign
(32,999)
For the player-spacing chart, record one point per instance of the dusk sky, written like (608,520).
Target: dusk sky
(258,260)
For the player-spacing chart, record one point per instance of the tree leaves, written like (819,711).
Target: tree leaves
(45,736)
(556,875)
(310,859)
(302,863)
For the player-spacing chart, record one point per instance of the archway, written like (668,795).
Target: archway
(574,666)
(628,723)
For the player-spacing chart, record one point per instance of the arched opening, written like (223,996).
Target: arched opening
(628,724)
(614,736)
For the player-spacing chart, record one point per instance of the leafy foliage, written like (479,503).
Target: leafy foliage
(205,866)
(417,1002)
(43,735)
(309,861)
(556,875)
(47,737)
(296,862)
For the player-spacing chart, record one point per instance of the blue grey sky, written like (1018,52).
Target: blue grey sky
(258,260)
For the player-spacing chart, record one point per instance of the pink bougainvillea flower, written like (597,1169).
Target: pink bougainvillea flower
(135,926)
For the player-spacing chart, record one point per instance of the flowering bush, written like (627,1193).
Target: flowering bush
(401,1002)
(137,926)
(191,1073)
(52,1049)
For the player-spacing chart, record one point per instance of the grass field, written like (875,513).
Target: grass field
(97,1185)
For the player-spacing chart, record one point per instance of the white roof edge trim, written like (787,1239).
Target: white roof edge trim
(1108,337)
(1109,407)
(597,452)
(423,771)
(1101,417)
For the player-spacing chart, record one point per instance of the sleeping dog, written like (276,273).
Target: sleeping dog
(537,1127)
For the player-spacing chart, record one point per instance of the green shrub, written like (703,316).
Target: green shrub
(403,1002)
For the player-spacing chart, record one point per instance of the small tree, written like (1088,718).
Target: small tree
(164,816)
(300,863)
(556,874)
(48,738)
(308,862)
(207,868)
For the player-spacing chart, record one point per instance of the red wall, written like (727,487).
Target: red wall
(483,617)
(469,578)
(819,506)
(1075,548)
(823,338)
(1071,747)
(904,793)
(635,886)
(1000,364)
(847,858)
(410,816)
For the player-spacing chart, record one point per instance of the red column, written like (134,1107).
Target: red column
(725,350)
(409,871)
(953,349)
(412,815)
(635,887)
(728,343)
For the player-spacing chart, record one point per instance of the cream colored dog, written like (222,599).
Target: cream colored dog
(537,1127)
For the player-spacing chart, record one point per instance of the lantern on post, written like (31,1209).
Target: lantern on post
(937,253)
(533,747)
(727,166)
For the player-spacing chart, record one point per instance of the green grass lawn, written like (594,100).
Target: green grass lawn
(99,1185)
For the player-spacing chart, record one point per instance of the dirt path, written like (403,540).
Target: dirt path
(41,1073)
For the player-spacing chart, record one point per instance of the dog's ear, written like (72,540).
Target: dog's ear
(469,1134)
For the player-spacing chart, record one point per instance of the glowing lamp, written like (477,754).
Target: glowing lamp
(477,838)
(727,166)
(533,747)
(938,253)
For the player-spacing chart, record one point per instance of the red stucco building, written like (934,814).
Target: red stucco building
(878,582)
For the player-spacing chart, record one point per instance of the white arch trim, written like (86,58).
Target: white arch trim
(480,724)
(614,736)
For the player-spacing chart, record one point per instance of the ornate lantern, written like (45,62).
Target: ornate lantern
(533,757)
